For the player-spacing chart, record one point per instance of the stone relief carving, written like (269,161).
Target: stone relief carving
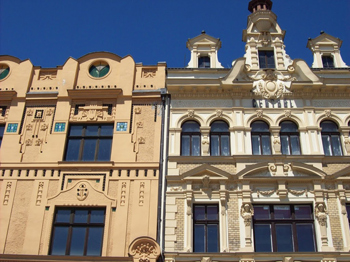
(141,140)
(296,192)
(247,212)
(218,113)
(287,113)
(142,194)
(259,113)
(93,111)
(139,124)
(123,194)
(328,113)
(82,192)
(144,249)
(206,181)
(148,73)
(265,192)
(138,110)
(190,113)
(176,188)
(39,194)
(321,213)
(7,193)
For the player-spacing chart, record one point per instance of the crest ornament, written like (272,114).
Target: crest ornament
(82,192)
(219,113)
(328,113)
(259,113)
(190,113)
(287,113)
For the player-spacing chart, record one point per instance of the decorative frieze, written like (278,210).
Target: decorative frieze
(7,193)
(39,194)
(93,111)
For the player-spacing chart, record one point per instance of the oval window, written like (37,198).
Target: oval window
(99,69)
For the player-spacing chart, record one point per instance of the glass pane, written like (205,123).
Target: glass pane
(104,150)
(190,126)
(97,216)
(91,130)
(199,238)
(199,212)
(326,145)
(295,145)
(329,126)
(63,215)
(302,211)
(284,238)
(214,145)
(212,212)
(59,242)
(288,126)
(213,238)
(185,145)
(78,241)
(266,145)
(348,210)
(270,59)
(305,234)
(81,216)
(225,145)
(76,130)
(104,71)
(261,212)
(2,128)
(89,150)
(73,148)
(93,71)
(337,151)
(95,241)
(262,237)
(256,145)
(282,212)
(106,130)
(260,126)
(196,146)
(219,126)
(285,145)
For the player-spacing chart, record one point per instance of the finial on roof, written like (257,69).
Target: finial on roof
(322,32)
(203,32)
(259,5)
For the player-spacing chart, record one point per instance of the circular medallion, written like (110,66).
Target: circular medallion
(99,69)
(4,71)
(271,86)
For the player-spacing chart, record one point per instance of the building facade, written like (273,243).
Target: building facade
(259,154)
(80,159)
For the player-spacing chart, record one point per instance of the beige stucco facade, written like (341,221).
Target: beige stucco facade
(38,173)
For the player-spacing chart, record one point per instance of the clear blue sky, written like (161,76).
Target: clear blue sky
(49,32)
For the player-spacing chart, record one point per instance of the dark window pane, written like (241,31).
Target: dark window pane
(288,126)
(212,212)
(214,145)
(94,241)
(282,212)
(97,216)
(185,145)
(295,145)
(225,145)
(104,150)
(63,215)
(260,126)
(199,212)
(204,62)
(284,238)
(348,210)
(329,126)
(266,145)
(213,238)
(89,150)
(326,145)
(256,145)
(261,212)
(78,241)
(262,237)
(190,126)
(2,128)
(59,243)
(199,238)
(219,126)
(76,130)
(73,149)
(302,211)
(305,235)
(337,151)
(285,145)
(327,61)
(81,216)
(91,130)
(196,146)
(106,130)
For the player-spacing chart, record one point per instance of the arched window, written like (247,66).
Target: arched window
(290,142)
(190,139)
(261,141)
(331,139)
(219,139)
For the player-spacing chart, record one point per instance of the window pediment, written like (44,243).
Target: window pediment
(205,170)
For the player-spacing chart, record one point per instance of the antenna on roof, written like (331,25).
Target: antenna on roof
(185,61)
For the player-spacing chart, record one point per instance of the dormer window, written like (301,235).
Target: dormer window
(327,61)
(204,62)
(266,59)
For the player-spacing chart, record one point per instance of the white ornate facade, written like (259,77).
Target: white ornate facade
(270,133)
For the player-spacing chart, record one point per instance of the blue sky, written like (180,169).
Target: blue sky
(49,32)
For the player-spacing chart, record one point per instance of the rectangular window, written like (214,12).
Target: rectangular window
(89,142)
(77,232)
(2,129)
(284,228)
(266,59)
(206,228)
(327,61)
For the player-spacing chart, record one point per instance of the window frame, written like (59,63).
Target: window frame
(206,222)
(328,61)
(204,61)
(71,224)
(264,63)
(331,134)
(260,134)
(220,134)
(83,137)
(191,134)
(289,135)
(293,221)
